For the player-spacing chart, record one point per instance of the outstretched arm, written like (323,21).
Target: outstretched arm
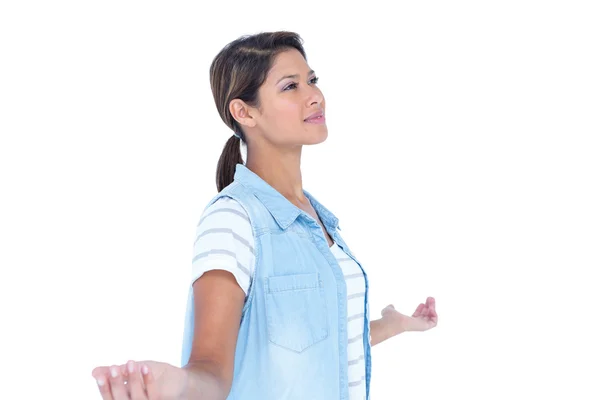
(393,323)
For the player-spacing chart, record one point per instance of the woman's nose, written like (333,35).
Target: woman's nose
(315,97)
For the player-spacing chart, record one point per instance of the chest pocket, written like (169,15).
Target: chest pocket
(296,311)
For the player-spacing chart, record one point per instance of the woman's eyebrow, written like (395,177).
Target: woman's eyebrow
(294,76)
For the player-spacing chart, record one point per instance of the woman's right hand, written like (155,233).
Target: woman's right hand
(145,380)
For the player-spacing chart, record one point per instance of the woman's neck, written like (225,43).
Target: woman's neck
(282,172)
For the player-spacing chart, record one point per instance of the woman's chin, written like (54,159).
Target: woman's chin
(317,137)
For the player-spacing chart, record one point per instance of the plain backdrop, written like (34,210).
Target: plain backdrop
(462,160)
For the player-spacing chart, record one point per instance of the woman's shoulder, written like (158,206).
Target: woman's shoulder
(224,240)
(225,202)
(225,211)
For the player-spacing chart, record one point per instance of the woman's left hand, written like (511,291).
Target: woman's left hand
(141,381)
(425,317)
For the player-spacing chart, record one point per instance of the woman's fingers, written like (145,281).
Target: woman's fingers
(135,382)
(96,372)
(419,310)
(101,375)
(103,385)
(152,389)
(117,384)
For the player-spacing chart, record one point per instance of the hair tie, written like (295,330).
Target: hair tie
(237,135)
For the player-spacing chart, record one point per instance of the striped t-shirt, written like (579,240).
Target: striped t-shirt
(224,241)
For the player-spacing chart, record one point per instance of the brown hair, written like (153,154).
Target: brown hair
(237,72)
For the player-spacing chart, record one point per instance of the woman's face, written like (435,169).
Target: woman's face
(288,97)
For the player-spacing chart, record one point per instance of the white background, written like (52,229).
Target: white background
(462,161)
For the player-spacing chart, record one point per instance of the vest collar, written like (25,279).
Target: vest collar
(284,212)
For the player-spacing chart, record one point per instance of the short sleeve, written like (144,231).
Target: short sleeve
(224,241)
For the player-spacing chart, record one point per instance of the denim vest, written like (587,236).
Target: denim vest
(292,341)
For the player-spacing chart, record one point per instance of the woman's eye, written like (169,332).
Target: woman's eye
(294,85)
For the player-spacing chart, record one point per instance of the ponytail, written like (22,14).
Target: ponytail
(230,157)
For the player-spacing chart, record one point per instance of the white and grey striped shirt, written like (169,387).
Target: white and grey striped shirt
(224,241)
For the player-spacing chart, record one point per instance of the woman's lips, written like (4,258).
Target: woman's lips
(316,120)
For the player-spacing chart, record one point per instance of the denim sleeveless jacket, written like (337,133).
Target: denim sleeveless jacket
(292,341)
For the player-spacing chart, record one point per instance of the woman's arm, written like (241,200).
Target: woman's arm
(218,301)
(383,329)
(205,380)
(393,323)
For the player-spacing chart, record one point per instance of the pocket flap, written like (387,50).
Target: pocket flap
(292,282)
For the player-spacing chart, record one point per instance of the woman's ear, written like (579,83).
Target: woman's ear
(240,111)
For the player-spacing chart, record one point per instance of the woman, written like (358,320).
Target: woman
(278,306)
